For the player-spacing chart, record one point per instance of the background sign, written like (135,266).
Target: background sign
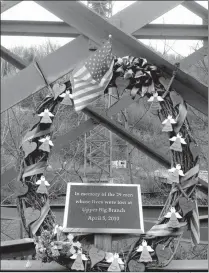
(103,208)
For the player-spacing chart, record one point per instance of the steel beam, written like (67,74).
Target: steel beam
(141,13)
(197,9)
(55,65)
(193,58)
(37,28)
(5,5)
(77,49)
(12,58)
(98,29)
(61,29)
(171,31)
(123,19)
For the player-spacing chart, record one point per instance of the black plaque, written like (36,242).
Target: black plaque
(103,208)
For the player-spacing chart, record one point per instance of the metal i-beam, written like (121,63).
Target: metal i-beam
(124,19)
(61,29)
(197,9)
(75,52)
(54,65)
(141,13)
(37,28)
(193,58)
(171,31)
(5,5)
(12,58)
(97,29)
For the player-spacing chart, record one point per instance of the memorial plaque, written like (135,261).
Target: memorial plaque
(103,208)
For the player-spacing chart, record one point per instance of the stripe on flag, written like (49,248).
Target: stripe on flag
(91,78)
(195,226)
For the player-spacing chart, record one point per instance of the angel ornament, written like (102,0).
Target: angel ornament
(79,258)
(46,143)
(174,174)
(46,116)
(155,102)
(116,262)
(177,141)
(168,124)
(174,216)
(42,185)
(57,231)
(67,98)
(145,249)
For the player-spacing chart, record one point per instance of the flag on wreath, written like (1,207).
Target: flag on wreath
(91,77)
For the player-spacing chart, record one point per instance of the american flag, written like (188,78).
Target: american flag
(90,78)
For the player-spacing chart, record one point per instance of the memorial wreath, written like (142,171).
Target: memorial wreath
(154,248)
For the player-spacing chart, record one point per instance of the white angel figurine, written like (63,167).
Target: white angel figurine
(170,119)
(178,140)
(42,185)
(70,237)
(115,261)
(177,170)
(173,216)
(79,252)
(42,180)
(46,142)
(167,124)
(145,249)
(67,98)
(67,93)
(57,229)
(144,245)
(79,257)
(46,116)
(155,97)
(155,103)
(174,174)
(174,138)
(172,211)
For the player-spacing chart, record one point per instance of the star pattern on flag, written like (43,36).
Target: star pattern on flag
(100,62)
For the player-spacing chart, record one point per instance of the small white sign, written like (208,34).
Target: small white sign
(122,164)
(115,164)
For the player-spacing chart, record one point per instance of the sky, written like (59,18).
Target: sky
(28,10)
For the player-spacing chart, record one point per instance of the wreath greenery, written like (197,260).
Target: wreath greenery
(51,243)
